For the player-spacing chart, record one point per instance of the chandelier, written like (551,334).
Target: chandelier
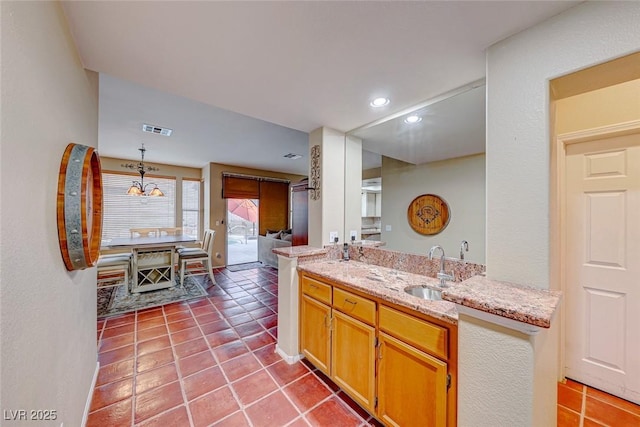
(139,187)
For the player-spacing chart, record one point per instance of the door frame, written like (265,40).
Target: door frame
(558,210)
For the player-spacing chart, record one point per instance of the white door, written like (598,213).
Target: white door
(603,264)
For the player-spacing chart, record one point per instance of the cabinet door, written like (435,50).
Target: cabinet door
(353,358)
(412,385)
(315,319)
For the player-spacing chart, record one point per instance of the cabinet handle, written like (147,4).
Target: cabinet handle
(350,302)
(311,285)
(380,351)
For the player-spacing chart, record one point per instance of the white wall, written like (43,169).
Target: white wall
(518,154)
(489,393)
(315,206)
(47,315)
(460,181)
(327,213)
(518,135)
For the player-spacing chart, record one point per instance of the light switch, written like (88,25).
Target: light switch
(387,227)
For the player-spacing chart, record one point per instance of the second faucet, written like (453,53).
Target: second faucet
(442,275)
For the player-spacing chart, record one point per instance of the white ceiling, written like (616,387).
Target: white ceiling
(201,133)
(451,127)
(300,65)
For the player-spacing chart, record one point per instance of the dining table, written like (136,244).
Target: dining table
(153,260)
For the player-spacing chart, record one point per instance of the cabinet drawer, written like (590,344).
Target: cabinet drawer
(355,306)
(316,289)
(419,333)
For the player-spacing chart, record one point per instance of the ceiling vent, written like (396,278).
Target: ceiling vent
(292,156)
(156,129)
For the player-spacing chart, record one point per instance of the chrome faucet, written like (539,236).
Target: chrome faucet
(464,246)
(442,275)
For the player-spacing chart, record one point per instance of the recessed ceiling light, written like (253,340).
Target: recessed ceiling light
(413,119)
(292,156)
(379,102)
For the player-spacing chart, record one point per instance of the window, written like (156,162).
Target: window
(122,211)
(190,207)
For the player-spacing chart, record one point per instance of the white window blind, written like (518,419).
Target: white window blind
(190,207)
(122,211)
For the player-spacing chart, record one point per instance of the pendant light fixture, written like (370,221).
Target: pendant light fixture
(138,188)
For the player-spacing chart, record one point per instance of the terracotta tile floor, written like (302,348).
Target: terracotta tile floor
(211,362)
(582,406)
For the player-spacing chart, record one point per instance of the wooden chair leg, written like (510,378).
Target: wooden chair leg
(127,279)
(183,266)
(210,269)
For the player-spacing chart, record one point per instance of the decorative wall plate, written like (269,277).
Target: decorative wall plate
(428,214)
(79,207)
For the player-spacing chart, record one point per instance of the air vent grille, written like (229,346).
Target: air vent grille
(156,129)
(292,156)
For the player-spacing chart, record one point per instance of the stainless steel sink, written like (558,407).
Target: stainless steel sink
(425,293)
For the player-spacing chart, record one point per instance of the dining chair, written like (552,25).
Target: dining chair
(197,261)
(170,231)
(143,232)
(110,265)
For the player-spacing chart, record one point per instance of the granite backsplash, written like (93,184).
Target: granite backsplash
(410,263)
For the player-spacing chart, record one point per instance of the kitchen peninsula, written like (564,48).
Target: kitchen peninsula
(356,316)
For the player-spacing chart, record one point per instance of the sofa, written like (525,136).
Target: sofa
(272,239)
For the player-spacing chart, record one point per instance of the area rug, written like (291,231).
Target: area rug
(117,300)
(245,266)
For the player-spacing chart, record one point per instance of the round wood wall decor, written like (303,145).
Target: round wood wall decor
(428,214)
(79,207)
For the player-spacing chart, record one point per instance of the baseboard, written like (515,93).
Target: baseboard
(87,405)
(289,359)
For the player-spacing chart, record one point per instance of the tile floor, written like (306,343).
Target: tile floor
(582,406)
(211,362)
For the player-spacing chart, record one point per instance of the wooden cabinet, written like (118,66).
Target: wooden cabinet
(413,371)
(416,332)
(315,321)
(316,289)
(353,358)
(337,343)
(398,366)
(412,385)
(153,269)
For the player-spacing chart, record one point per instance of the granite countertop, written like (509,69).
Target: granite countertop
(299,251)
(524,304)
(385,283)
